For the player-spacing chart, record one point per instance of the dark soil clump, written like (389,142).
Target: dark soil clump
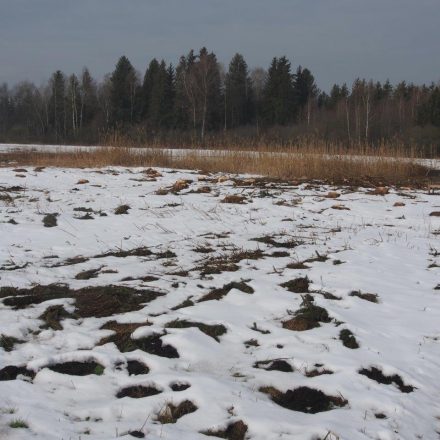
(75,368)
(137,392)
(50,220)
(11,372)
(179,386)
(153,344)
(348,339)
(375,374)
(305,399)
(219,293)
(274,365)
(135,368)
(214,331)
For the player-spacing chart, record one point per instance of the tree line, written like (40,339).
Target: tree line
(200,96)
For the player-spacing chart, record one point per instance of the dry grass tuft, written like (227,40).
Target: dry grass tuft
(376,167)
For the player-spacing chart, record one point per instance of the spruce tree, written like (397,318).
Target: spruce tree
(57,105)
(279,105)
(124,89)
(238,94)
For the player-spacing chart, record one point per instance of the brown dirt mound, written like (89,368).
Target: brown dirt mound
(307,318)
(304,399)
(234,199)
(298,285)
(122,209)
(234,431)
(137,392)
(375,374)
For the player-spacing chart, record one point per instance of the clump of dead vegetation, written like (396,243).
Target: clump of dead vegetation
(234,431)
(309,316)
(98,301)
(171,413)
(371,297)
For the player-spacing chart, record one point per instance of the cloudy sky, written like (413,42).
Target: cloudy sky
(337,39)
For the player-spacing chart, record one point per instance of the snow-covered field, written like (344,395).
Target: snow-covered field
(230,317)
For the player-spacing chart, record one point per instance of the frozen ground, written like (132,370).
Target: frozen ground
(234,337)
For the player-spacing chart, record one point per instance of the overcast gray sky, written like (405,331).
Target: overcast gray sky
(337,39)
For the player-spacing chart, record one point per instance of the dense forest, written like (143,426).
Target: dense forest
(199,100)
